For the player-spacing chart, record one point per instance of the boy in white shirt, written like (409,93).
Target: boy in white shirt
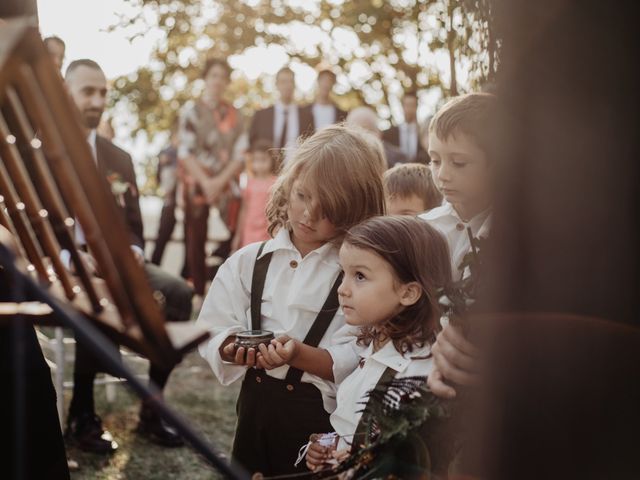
(461,168)
(460,150)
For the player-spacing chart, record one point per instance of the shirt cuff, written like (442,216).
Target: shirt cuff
(225,372)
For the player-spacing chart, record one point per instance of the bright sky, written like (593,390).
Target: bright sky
(83,25)
(85,33)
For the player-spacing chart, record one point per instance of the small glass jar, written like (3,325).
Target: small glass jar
(253,338)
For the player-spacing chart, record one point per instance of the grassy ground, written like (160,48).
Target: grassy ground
(194,392)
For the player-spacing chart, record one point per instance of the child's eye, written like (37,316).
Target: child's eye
(435,162)
(459,164)
(359,276)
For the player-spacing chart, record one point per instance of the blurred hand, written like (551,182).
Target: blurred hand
(455,360)
(238,355)
(213,188)
(318,456)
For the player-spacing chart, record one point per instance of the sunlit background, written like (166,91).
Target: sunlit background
(152,51)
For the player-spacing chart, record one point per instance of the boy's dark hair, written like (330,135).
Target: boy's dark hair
(285,69)
(216,61)
(471,114)
(83,62)
(416,252)
(407,179)
(327,72)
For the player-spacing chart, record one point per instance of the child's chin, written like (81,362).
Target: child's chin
(352,321)
(451,198)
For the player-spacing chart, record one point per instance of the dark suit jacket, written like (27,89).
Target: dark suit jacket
(393,154)
(392,135)
(263,120)
(115,162)
(341,115)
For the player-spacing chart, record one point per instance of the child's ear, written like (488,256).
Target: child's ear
(410,293)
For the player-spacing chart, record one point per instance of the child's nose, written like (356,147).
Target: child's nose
(342,289)
(444,173)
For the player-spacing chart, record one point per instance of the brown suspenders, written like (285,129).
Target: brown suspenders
(320,324)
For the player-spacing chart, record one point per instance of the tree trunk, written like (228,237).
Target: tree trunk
(451,35)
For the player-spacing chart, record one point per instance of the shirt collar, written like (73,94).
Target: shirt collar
(281,106)
(477,220)
(390,357)
(91,138)
(282,241)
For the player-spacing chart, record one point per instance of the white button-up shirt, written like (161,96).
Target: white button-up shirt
(352,390)
(323,115)
(448,222)
(79,233)
(295,290)
(293,125)
(408,139)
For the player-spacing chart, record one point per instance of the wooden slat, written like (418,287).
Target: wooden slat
(15,211)
(33,208)
(71,187)
(58,172)
(36,165)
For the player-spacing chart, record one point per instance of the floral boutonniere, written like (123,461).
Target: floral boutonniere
(119,187)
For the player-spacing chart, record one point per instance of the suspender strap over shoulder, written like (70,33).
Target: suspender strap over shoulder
(257,286)
(319,327)
(320,324)
(362,430)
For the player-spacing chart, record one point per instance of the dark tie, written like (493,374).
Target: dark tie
(283,134)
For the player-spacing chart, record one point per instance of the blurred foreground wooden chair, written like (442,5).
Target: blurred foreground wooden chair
(46,166)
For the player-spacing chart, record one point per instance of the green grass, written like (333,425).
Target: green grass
(194,392)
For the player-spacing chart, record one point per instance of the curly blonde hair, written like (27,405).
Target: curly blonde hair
(341,169)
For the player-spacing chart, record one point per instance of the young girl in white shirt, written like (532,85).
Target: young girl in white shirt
(392,267)
(288,285)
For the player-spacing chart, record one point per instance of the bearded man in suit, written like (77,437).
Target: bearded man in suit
(87,86)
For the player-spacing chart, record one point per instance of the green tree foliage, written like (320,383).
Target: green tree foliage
(380,48)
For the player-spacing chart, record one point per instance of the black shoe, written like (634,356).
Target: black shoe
(85,432)
(155,429)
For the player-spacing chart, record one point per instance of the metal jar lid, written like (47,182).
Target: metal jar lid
(253,338)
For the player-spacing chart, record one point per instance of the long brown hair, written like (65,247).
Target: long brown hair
(418,253)
(340,168)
